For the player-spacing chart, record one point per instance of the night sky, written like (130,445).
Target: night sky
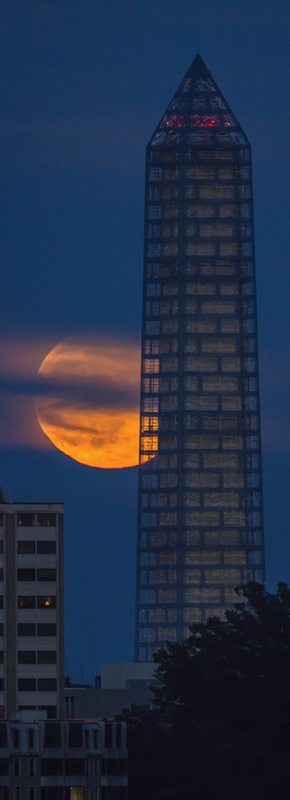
(84,86)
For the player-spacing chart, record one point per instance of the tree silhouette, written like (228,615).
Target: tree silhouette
(221,723)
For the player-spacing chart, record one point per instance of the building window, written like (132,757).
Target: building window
(31,793)
(52,766)
(46,657)
(114,766)
(46,629)
(108,735)
(47,684)
(26,657)
(69,707)
(15,734)
(26,601)
(56,793)
(26,574)
(30,735)
(152,327)
(46,520)
(26,684)
(16,767)
(92,738)
(75,766)
(46,574)
(46,548)
(26,629)
(52,734)
(26,520)
(75,735)
(3,734)
(119,740)
(154,212)
(4,766)
(26,548)
(46,601)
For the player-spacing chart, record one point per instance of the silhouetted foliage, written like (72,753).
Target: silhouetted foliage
(221,724)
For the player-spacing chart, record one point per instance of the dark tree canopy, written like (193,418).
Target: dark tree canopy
(221,724)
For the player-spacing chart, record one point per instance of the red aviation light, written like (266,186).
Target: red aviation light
(175,122)
(204,121)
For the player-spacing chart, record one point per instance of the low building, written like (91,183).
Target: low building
(62,760)
(31,608)
(119,686)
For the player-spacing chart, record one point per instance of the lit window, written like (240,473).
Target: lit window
(208,518)
(227,211)
(199,249)
(228,249)
(229,288)
(230,364)
(191,576)
(46,601)
(216,191)
(165,634)
(215,229)
(46,520)
(199,171)
(191,499)
(167,518)
(196,210)
(170,210)
(222,345)
(218,307)
(200,287)
(167,596)
(26,520)
(196,595)
(219,384)
(234,518)
(149,444)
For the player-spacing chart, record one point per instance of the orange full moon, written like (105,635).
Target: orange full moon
(88,400)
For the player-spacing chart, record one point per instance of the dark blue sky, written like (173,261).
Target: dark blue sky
(84,85)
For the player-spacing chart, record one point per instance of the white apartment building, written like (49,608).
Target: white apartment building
(31,609)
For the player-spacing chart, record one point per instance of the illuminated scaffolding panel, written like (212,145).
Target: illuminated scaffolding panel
(200,526)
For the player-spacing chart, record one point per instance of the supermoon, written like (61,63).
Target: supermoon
(88,400)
